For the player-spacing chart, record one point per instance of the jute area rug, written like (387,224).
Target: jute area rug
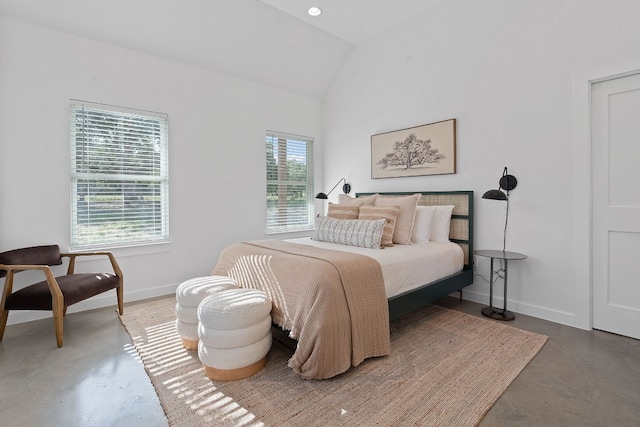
(446,368)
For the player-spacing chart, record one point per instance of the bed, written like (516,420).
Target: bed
(461,233)
(336,300)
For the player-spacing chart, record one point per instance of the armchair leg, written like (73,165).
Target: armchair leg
(58,320)
(3,322)
(59,309)
(6,291)
(120,299)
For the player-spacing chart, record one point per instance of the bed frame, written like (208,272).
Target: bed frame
(461,232)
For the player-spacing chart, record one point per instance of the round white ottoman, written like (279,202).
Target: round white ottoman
(188,297)
(235,333)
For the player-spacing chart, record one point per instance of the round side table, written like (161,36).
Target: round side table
(506,256)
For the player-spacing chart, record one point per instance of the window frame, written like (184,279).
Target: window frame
(152,208)
(286,208)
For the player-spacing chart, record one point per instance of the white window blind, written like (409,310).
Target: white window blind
(119,176)
(290,203)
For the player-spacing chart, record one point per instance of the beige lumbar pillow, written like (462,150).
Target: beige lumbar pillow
(343,211)
(389,214)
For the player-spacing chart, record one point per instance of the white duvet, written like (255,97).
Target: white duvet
(406,267)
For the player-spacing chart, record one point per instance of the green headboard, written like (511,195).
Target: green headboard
(461,230)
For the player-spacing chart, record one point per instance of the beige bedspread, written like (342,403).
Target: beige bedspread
(333,302)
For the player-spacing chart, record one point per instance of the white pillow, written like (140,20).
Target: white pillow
(404,221)
(441,224)
(355,232)
(422,223)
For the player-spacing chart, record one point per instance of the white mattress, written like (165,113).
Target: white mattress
(405,267)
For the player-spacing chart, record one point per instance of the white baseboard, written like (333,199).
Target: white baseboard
(105,299)
(108,299)
(556,316)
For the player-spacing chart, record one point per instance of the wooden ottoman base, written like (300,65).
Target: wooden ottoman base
(234,374)
(190,344)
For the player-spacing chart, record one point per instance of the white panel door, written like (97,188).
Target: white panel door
(615,140)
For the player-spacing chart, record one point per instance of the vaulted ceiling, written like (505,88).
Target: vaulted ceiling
(271,42)
(355,21)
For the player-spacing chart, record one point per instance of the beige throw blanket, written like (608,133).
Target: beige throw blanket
(333,302)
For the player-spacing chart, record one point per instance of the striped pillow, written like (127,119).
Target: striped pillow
(354,232)
(389,214)
(343,211)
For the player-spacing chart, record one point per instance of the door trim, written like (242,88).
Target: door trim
(582,238)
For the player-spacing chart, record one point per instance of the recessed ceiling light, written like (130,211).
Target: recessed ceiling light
(314,11)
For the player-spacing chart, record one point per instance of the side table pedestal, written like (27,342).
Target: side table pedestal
(497,313)
(491,311)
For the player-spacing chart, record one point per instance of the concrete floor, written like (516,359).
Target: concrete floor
(94,379)
(580,378)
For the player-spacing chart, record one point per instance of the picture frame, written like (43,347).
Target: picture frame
(420,150)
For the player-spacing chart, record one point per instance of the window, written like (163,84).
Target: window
(290,203)
(119,176)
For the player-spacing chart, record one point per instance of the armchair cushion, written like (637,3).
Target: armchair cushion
(75,288)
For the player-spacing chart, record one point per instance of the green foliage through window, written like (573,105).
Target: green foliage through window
(290,204)
(119,176)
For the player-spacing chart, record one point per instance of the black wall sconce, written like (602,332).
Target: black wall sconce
(507,182)
(346,189)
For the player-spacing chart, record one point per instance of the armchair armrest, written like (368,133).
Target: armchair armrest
(54,288)
(72,260)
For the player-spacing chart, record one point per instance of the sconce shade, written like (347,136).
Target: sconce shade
(508,182)
(346,189)
(495,195)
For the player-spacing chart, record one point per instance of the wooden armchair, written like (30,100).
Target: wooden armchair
(54,293)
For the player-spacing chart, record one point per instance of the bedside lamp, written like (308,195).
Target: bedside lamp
(346,189)
(507,182)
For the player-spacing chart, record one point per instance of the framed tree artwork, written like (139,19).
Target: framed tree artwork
(422,150)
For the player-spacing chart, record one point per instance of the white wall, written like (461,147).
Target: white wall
(504,69)
(217,127)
